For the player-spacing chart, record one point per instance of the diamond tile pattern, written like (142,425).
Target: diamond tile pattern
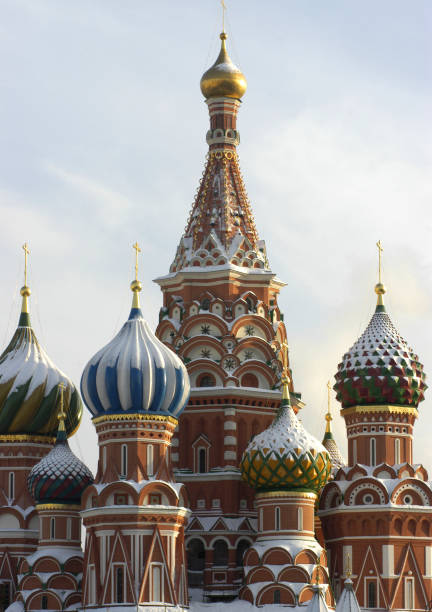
(380,368)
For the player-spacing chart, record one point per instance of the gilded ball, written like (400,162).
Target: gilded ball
(25,291)
(380,289)
(136,285)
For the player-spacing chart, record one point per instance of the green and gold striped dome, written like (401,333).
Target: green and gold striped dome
(285,457)
(29,383)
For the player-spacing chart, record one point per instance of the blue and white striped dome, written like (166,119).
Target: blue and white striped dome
(135,373)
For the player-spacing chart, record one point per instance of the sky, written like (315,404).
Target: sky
(103,129)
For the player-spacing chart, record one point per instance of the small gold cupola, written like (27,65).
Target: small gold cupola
(223,79)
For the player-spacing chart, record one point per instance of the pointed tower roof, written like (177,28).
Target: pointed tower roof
(29,382)
(135,372)
(221,229)
(318,602)
(348,600)
(329,442)
(380,368)
(60,477)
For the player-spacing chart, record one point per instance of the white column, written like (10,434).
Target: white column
(388,560)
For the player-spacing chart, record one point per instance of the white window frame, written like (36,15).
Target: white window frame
(372,451)
(277,517)
(409,595)
(150,460)
(197,459)
(366,599)
(11,485)
(124,461)
(161,583)
(397,448)
(114,568)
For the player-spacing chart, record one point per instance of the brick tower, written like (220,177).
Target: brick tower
(377,512)
(220,315)
(28,423)
(135,513)
(287,467)
(49,578)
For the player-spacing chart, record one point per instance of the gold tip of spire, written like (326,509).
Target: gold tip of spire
(25,290)
(379,287)
(61,415)
(135,284)
(328,416)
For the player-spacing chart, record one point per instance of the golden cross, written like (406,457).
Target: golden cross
(380,250)
(284,355)
(223,15)
(348,567)
(26,253)
(62,387)
(137,250)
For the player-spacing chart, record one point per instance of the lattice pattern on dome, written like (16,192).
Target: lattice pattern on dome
(285,456)
(337,460)
(380,368)
(59,477)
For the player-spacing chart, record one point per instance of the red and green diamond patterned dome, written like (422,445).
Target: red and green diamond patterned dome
(380,368)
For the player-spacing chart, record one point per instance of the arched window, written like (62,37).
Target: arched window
(52,528)
(354,451)
(205,304)
(206,380)
(242,547)
(196,562)
(202,460)
(44,602)
(156,583)
(150,470)
(119,584)
(220,553)
(276,596)
(249,380)
(373,451)
(104,458)
(277,518)
(11,485)
(249,303)
(124,467)
(397,450)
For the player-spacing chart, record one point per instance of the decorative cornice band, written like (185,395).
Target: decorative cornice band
(382,408)
(41,507)
(134,417)
(304,494)
(5,438)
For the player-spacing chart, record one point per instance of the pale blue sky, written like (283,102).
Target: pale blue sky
(103,143)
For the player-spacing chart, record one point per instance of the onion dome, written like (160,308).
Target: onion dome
(135,372)
(223,79)
(60,477)
(28,385)
(285,456)
(380,368)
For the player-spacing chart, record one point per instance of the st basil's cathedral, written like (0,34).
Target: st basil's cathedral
(208,487)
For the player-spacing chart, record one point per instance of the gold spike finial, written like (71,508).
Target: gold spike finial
(379,287)
(61,414)
(223,15)
(135,284)
(348,571)
(285,379)
(25,290)
(328,416)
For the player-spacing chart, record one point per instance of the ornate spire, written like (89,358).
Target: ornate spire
(24,320)
(379,287)
(135,284)
(329,442)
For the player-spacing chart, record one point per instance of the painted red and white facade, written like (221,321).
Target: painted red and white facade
(221,316)
(377,512)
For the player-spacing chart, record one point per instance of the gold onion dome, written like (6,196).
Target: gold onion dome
(285,457)
(223,79)
(29,384)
